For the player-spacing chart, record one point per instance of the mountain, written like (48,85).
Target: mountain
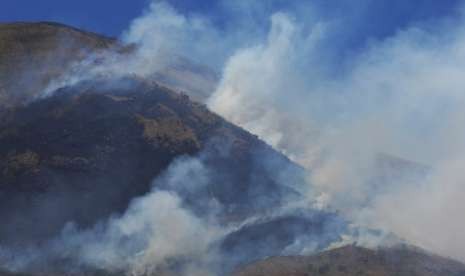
(352,260)
(32,54)
(82,154)
(89,149)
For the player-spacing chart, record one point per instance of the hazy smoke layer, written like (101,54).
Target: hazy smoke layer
(401,96)
(340,118)
(180,227)
(156,233)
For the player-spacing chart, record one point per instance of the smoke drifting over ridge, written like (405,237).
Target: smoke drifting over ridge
(402,95)
(181,227)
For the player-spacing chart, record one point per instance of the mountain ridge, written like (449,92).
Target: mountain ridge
(352,260)
(82,153)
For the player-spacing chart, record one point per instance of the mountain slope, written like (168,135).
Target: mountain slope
(351,260)
(83,153)
(32,54)
(91,148)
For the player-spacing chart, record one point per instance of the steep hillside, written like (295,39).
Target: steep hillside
(32,54)
(86,151)
(356,261)
(83,153)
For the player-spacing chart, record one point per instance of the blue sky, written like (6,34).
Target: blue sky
(377,18)
(103,16)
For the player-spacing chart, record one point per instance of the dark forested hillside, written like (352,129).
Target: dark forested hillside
(78,157)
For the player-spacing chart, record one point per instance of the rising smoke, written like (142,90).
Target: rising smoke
(399,95)
(182,227)
(402,95)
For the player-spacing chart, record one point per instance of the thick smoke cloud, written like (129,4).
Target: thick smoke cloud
(154,232)
(401,96)
(398,95)
(180,227)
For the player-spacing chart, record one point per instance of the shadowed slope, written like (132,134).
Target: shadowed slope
(85,152)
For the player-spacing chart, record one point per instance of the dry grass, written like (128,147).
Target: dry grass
(167,132)
(355,261)
(26,161)
(32,54)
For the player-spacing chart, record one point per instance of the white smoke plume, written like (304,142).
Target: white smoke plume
(163,232)
(155,229)
(154,234)
(403,96)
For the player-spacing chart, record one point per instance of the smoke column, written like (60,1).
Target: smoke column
(282,79)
